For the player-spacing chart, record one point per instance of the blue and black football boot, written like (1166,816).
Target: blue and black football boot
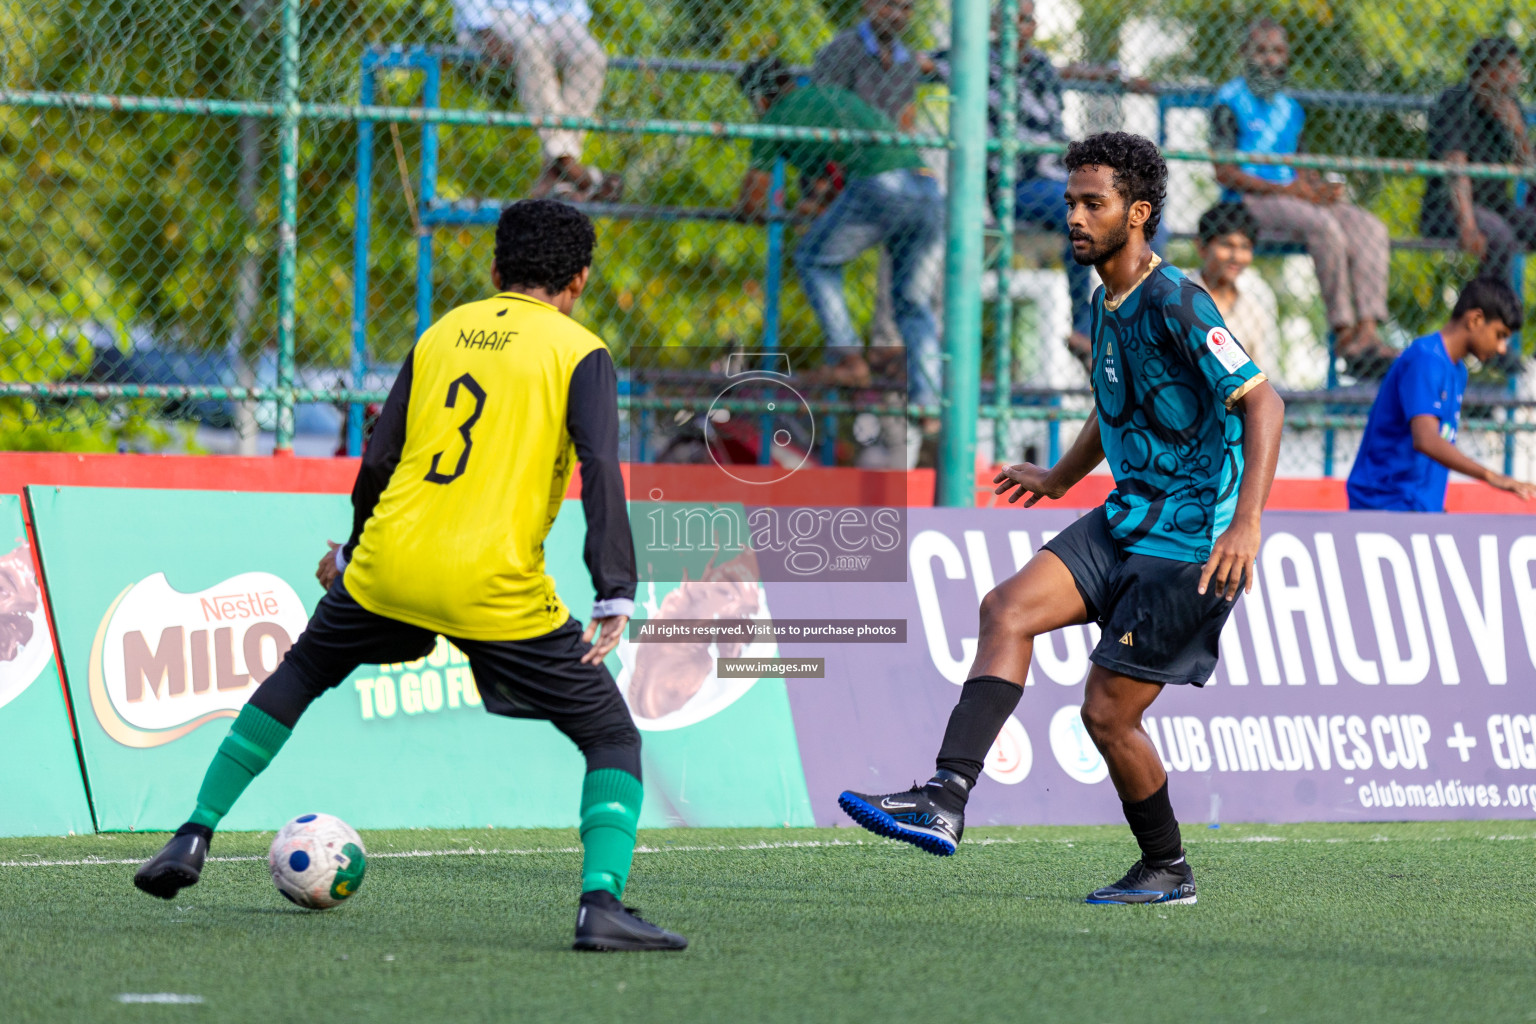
(1173,882)
(931,817)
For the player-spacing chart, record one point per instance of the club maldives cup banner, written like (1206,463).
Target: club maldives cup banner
(173,606)
(44,793)
(1383,668)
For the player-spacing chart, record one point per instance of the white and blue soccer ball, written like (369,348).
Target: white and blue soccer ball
(317,860)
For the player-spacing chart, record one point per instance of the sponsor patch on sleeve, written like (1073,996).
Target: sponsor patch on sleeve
(1225,348)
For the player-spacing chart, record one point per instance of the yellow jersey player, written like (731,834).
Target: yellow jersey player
(459,486)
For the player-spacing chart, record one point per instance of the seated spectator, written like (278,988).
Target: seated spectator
(1409,445)
(1040,182)
(889,198)
(1349,247)
(1227,233)
(560,72)
(1480,122)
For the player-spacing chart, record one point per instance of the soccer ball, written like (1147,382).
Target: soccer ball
(317,861)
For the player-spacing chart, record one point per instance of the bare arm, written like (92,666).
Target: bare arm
(1086,453)
(1230,566)
(1472,240)
(1224,137)
(1427,441)
(753,200)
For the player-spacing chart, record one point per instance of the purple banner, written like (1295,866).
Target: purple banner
(1382,669)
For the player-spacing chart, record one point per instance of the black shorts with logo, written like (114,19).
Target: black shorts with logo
(1157,625)
(541,677)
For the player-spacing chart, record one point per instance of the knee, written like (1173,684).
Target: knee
(1100,719)
(607,741)
(1497,231)
(1005,616)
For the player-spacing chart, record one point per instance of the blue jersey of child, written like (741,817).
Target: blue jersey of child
(1389,473)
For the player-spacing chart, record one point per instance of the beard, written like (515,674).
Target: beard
(1104,248)
(1263,81)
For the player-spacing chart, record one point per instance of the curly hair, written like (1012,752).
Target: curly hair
(1140,173)
(542,243)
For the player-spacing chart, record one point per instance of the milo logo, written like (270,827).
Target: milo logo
(164,663)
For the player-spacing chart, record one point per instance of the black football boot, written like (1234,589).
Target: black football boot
(603,924)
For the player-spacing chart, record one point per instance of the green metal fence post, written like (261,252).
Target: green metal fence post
(1005,206)
(287,226)
(962,260)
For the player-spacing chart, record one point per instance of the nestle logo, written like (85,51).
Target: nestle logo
(223,607)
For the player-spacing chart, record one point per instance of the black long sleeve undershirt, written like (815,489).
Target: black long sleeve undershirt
(592,419)
(381,454)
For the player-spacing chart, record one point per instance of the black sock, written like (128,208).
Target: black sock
(985,704)
(1155,828)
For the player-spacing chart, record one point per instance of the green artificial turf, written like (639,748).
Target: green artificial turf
(1342,923)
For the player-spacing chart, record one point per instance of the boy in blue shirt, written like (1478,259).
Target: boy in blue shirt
(1409,447)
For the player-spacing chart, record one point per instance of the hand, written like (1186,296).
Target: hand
(1330,191)
(326,572)
(1519,488)
(612,628)
(1507,112)
(1299,188)
(1030,480)
(809,208)
(1473,241)
(1231,563)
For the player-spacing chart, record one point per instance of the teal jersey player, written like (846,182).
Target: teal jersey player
(1191,431)
(1166,374)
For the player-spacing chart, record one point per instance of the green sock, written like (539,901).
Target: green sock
(610,813)
(253,741)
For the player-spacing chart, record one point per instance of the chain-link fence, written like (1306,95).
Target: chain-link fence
(225,223)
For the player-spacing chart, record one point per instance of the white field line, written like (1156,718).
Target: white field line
(808,844)
(158,997)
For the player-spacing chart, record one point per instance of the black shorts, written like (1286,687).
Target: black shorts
(1157,625)
(541,677)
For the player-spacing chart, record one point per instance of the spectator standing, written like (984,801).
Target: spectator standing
(560,72)
(1040,180)
(889,198)
(870,61)
(1481,122)
(1348,246)
(1409,445)
(1226,235)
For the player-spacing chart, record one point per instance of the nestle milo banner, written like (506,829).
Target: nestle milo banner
(1383,668)
(42,789)
(172,606)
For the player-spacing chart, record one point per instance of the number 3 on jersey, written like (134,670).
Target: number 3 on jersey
(469,384)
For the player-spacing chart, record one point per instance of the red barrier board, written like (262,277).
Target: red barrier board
(814,486)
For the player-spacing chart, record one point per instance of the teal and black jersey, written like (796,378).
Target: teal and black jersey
(1166,374)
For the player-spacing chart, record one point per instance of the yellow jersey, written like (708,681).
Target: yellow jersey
(468,466)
